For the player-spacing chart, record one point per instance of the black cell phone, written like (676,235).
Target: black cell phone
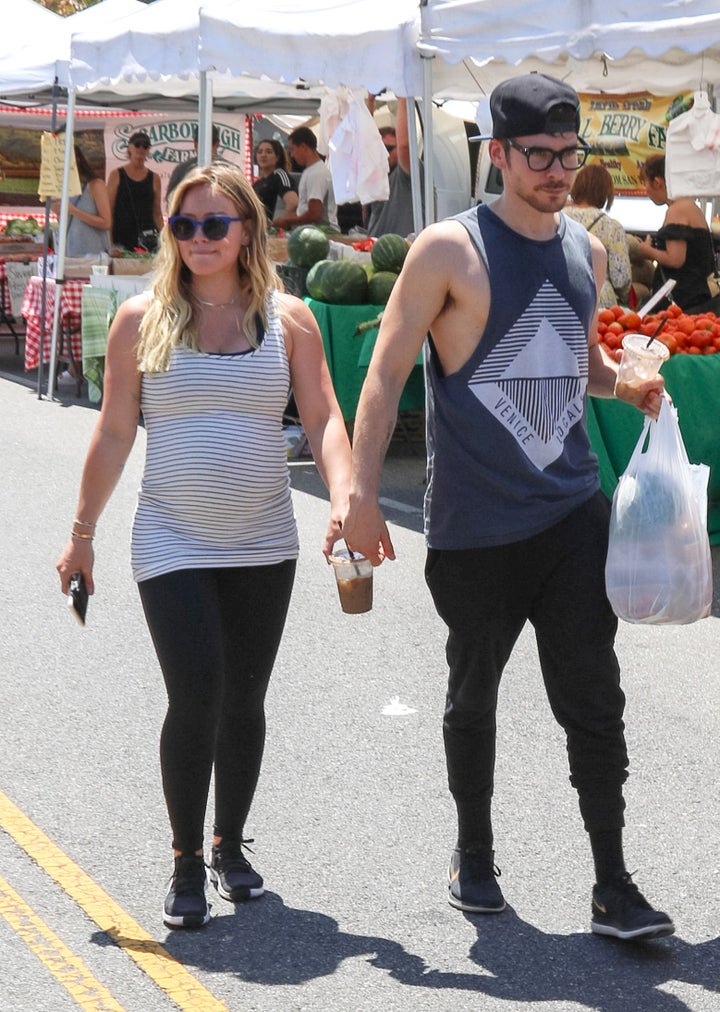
(78,597)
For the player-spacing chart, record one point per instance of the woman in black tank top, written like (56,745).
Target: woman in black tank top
(134,193)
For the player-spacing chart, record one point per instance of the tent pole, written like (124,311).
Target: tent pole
(46,250)
(414,167)
(62,242)
(428,153)
(205,109)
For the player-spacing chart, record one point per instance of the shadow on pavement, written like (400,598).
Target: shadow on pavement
(275,945)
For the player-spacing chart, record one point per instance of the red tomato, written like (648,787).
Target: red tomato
(630,321)
(612,340)
(701,338)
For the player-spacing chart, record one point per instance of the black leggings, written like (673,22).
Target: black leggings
(216,633)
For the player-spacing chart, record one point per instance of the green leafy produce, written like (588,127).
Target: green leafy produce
(380,286)
(307,245)
(21,227)
(389,252)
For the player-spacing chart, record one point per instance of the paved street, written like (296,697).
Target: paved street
(352,822)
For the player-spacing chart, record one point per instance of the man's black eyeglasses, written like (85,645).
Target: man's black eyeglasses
(540,159)
(140,144)
(214,227)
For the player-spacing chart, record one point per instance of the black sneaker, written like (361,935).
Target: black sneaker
(186,905)
(232,874)
(473,882)
(621,910)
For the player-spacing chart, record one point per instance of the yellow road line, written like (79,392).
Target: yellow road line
(67,968)
(172,977)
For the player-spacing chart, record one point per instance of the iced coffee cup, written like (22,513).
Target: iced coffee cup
(640,360)
(354,578)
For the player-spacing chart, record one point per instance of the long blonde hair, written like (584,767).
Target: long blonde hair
(172,317)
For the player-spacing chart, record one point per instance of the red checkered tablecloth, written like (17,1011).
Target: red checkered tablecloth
(70,303)
(26,212)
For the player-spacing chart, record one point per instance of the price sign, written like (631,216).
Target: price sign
(52,160)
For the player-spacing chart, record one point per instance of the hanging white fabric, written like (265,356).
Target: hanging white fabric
(692,152)
(357,157)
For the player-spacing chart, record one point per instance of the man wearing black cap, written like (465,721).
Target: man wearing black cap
(515,522)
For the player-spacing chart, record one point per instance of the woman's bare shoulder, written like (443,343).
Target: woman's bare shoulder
(131,311)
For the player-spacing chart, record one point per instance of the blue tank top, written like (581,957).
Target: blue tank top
(508,450)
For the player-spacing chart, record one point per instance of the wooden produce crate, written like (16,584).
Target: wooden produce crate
(131,265)
(77,267)
(277,249)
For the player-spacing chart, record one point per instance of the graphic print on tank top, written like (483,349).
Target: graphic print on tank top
(534,380)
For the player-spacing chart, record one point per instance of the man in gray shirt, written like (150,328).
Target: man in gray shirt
(396,213)
(316,203)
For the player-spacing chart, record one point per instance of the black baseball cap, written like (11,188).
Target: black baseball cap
(534,104)
(140,139)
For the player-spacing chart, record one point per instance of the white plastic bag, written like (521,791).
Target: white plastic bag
(659,568)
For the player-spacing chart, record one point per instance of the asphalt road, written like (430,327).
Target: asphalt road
(352,822)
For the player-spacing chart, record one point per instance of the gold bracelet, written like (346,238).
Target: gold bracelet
(81,537)
(84,523)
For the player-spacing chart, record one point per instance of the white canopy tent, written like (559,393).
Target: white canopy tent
(152,58)
(30,25)
(35,53)
(358,43)
(597,45)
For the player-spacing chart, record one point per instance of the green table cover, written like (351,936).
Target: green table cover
(348,355)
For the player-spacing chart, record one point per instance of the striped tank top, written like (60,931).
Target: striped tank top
(215,490)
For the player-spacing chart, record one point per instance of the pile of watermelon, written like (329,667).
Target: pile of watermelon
(346,282)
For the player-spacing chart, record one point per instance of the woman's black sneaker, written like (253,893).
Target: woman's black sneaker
(186,904)
(473,884)
(621,911)
(232,874)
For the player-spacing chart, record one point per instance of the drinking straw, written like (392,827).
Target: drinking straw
(657,331)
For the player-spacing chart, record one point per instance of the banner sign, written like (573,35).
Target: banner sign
(624,130)
(172,141)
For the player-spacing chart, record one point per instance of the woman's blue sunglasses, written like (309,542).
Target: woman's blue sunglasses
(214,227)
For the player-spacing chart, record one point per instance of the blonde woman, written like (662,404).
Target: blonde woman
(208,357)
